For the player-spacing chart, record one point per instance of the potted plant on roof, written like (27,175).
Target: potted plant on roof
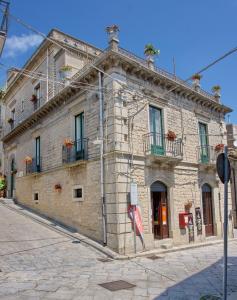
(216,89)
(171,136)
(65,72)
(68,143)
(2,93)
(150,52)
(196,80)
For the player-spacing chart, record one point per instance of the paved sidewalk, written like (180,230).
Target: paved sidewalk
(39,263)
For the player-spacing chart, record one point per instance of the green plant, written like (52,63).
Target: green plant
(151,50)
(196,76)
(2,93)
(216,88)
(66,68)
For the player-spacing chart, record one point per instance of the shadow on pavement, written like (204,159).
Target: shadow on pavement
(206,282)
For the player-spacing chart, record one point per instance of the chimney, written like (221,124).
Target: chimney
(113,39)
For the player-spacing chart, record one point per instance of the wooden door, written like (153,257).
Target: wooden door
(208,213)
(160,215)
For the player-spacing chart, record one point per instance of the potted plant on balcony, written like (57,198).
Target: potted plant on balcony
(171,136)
(28,159)
(65,72)
(33,98)
(68,143)
(219,147)
(58,187)
(10,120)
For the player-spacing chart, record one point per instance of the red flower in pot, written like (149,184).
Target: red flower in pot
(219,147)
(171,136)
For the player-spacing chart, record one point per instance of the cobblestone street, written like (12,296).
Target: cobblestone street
(37,262)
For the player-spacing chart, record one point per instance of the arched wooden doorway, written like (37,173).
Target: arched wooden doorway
(159,204)
(207,209)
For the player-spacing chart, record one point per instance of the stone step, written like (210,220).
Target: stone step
(7,200)
(164,244)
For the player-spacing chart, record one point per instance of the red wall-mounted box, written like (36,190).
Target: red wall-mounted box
(183,220)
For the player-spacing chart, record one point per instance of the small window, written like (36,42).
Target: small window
(22,105)
(36,196)
(77,193)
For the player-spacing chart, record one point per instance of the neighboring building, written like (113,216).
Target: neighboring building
(231,137)
(122,100)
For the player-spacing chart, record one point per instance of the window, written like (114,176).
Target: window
(204,149)
(79,136)
(77,193)
(37,154)
(156,130)
(37,93)
(22,105)
(36,196)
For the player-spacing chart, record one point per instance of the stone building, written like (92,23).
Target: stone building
(82,124)
(231,138)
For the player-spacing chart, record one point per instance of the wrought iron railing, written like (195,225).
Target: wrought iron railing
(206,154)
(78,150)
(34,166)
(160,145)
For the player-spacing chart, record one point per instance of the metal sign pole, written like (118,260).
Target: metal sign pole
(226,167)
(134,229)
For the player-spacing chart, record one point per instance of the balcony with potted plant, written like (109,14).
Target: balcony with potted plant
(74,152)
(163,148)
(206,155)
(33,165)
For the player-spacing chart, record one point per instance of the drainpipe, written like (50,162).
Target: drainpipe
(102,165)
(235,196)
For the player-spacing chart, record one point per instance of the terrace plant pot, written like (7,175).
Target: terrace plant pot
(33,99)
(219,147)
(58,187)
(171,136)
(68,143)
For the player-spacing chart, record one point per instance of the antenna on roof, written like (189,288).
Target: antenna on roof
(4,8)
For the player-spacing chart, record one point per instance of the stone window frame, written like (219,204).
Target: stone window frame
(162,107)
(33,196)
(75,199)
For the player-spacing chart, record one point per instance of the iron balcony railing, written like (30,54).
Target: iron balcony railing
(76,151)
(159,145)
(34,166)
(206,154)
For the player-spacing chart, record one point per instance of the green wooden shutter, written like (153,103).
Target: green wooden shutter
(156,130)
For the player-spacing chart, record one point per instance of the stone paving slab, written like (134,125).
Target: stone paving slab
(39,263)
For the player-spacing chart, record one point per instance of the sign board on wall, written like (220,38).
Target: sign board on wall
(133,194)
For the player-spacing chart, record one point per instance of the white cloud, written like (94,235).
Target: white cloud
(16,45)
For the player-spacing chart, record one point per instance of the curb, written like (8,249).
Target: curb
(53,225)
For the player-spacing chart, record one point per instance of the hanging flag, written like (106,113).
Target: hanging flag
(134,210)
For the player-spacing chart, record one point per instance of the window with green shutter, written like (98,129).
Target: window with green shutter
(156,131)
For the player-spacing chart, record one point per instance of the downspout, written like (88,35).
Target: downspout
(235,196)
(102,163)
(47,76)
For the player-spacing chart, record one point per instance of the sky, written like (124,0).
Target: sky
(194,33)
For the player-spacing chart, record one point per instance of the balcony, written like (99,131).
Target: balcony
(159,149)
(206,156)
(74,152)
(33,166)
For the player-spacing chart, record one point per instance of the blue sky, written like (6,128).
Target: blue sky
(194,32)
